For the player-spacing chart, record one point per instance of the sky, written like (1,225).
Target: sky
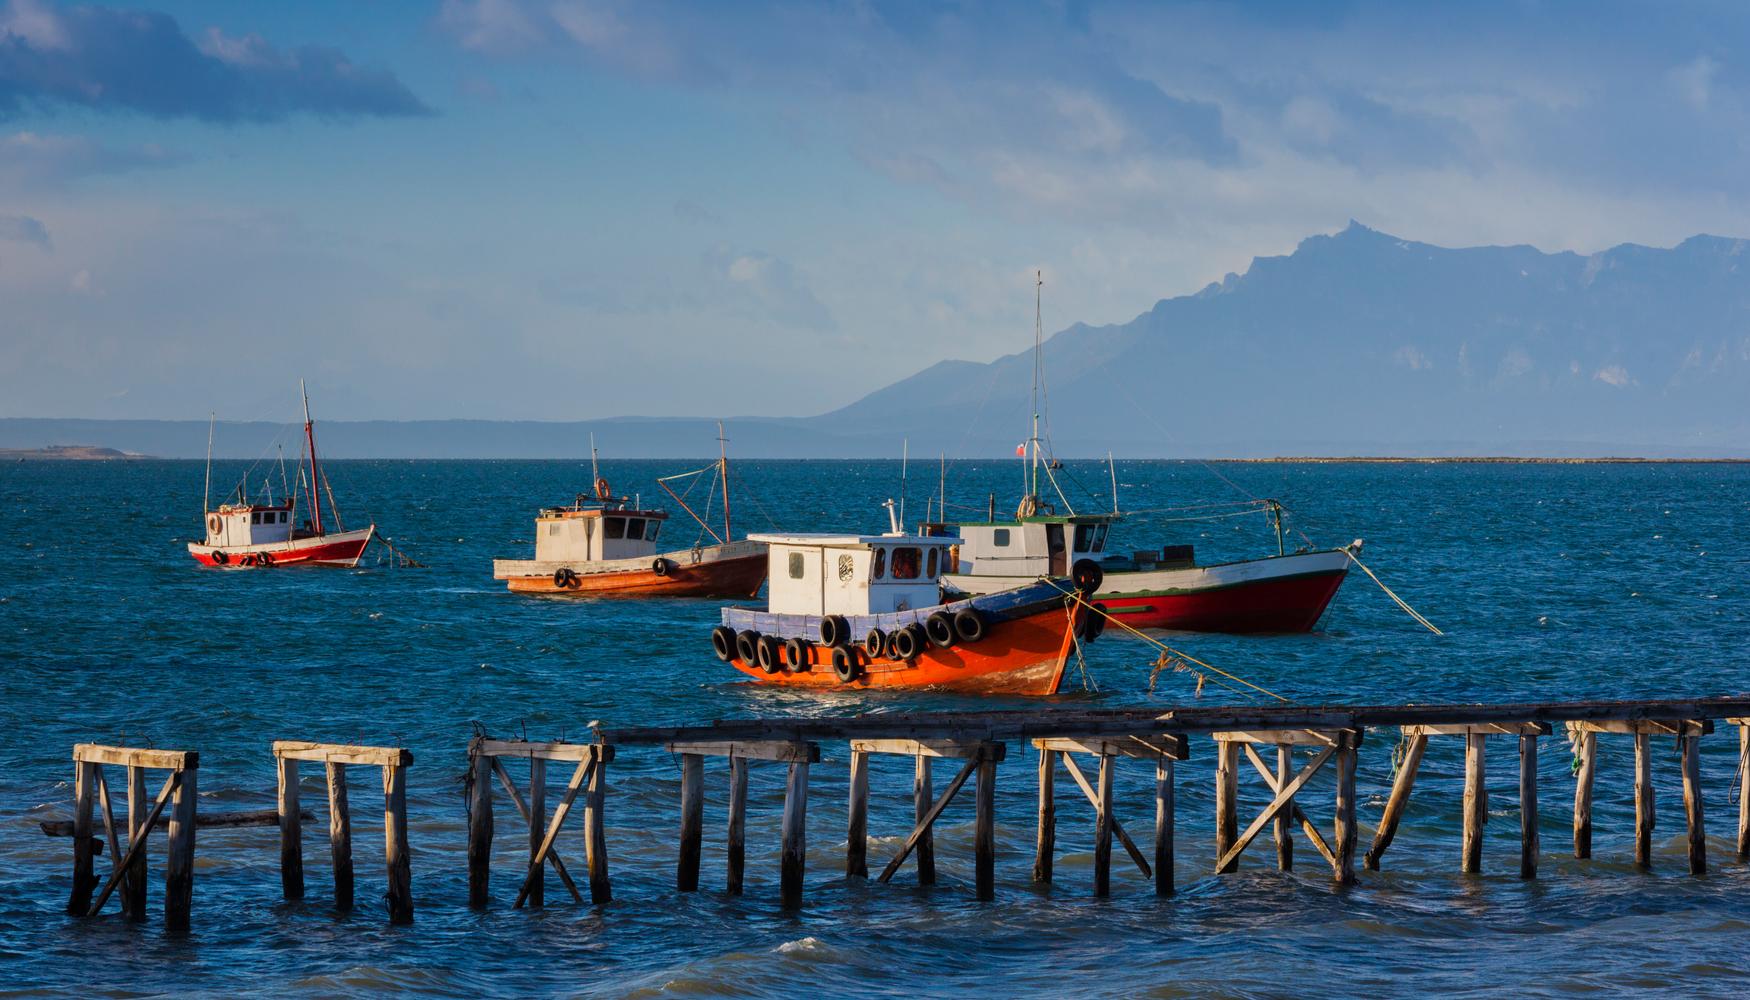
(570,209)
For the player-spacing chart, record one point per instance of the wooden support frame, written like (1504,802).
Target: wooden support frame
(1743,725)
(485,761)
(981,758)
(1688,733)
(335,758)
(128,868)
(1164,749)
(793,851)
(1338,744)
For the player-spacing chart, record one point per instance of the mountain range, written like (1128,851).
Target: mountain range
(1357,343)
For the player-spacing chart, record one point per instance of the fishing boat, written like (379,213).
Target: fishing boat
(854,612)
(256,534)
(1161,588)
(603,545)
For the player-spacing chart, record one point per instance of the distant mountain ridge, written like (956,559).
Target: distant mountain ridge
(1356,343)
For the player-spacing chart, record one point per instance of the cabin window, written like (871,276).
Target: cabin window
(553,529)
(616,527)
(907,561)
(1000,538)
(1084,538)
(650,530)
(879,568)
(634,528)
(1100,538)
(255,518)
(795,565)
(285,516)
(931,572)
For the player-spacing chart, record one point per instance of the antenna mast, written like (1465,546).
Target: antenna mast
(904,460)
(207,490)
(315,476)
(1038,360)
(723,471)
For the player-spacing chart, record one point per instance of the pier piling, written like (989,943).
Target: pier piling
(178,793)
(335,758)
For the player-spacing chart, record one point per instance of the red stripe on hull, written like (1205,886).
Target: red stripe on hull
(345,553)
(722,578)
(1284,604)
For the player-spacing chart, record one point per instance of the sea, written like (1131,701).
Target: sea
(1550,582)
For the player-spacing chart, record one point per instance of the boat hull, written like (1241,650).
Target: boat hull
(341,548)
(1278,594)
(734,570)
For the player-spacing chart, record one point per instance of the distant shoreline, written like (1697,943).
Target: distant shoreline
(67,453)
(1475,460)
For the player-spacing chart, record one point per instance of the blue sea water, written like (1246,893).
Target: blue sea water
(1551,582)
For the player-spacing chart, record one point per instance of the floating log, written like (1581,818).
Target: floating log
(204,821)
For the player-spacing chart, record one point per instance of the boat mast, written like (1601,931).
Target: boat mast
(1038,358)
(904,462)
(207,490)
(723,471)
(315,476)
(1112,467)
(595,475)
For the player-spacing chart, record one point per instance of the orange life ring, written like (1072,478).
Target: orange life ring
(601,488)
(213,523)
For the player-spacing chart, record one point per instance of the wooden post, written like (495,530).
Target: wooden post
(1103,830)
(1643,803)
(1163,825)
(795,845)
(1284,819)
(1528,838)
(1343,826)
(1045,851)
(340,835)
(1399,800)
(922,797)
(985,829)
(291,830)
(1588,753)
(857,829)
(595,841)
(479,831)
(179,870)
(1227,790)
(1692,804)
(1744,792)
(1476,803)
(134,886)
(400,894)
(537,875)
(737,852)
(84,876)
(686,876)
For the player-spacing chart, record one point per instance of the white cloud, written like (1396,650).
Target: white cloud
(1413,359)
(1615,375)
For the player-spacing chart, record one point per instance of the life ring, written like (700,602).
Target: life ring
(698,554)
(940,629)
(834,630)
(723,642)
(844,664)
(771,654)
(661,566)
(969,624)
(247,560)
(601,488)
(875,643)
(1087,576)
(796,653)
(220,558)
(213,523)
(905,643)
(747,647)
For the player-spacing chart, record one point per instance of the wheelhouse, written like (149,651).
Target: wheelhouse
(580,533)
(249,524)
(1045,545)
(827,574)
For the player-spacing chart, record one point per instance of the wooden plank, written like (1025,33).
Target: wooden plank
(1476,804)
(246,817)
(584,770)
(1164,826)
(958,749)
(1227,791)
(546,751)
(1482,729)
(400,866)
(1300,816)
(1529,843)
(984,839)
(1743,789)
(1397,802)
(1692,806)
(291,830)
(84,869)
(857,822)
(522,808)
(1344,829)
(773,750)
(342,753)
(1102,829)
(179,868)
(134,881)
(928,819)
(1587,750)
(1118,831)
(480,767)
(1648,727)
(595,839)
(115,851)
(1644,812)
(1172,745)
(1284,819)
(1045,842)
(737,836)
(922,800)
(1290,737)
(340,834)
(172,782)
(686,878)
(97,753)
(537,831)
(794,853)
(1229,860)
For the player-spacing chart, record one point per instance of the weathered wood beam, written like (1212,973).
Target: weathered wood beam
(342,753)
(984,840)
(1644,811)
(84,800)
(595,841)
(857,818)
(1476,804)
(247,817)
(340,835)
(1692,808)
(174,760)
(1227,791)
(1045,849)
(399,894)
(1743,789)
(522,808)
(1164,826)
(794,853)
(585,770)
(958,749)
(928,820)
(480,766)
(1173,745)
(735,861)
(1103,821)
(692,830)
(536,823)
(1284,819)
(1344,829)
(172,782)
(1399,800)
(1481,729)
(782,752)
(1529,842)
(1101,804)
(291,830)
(134,881)
(179,868)
(1300,816)
(1284,796)
(1648,727)
(1586,748)
(923,799)
(525,749)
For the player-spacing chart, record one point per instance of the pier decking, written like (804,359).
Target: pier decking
(1308,740)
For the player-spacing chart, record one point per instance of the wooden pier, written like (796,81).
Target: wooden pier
(1084,744)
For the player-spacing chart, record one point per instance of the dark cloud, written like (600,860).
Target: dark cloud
(24,229)
(142,62)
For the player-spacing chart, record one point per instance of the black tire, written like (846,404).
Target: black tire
(747,647)
(723,642)
(1087,575)
(796,653)
(266,559)
(771,654)
(939,628)
(834,630)
(844,664)
(220,558)
(661,566)
(559,576)
(905,643)
(875,644)
(1096,623)
(969,625)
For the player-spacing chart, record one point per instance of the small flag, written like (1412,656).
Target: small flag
(1021,450)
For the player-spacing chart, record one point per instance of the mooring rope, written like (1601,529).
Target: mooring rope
(1412,612)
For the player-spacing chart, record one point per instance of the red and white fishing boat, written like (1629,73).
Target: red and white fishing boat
(254,535)
(853,612)
(605,546)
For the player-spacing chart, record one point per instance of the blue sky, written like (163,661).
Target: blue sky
(558,209)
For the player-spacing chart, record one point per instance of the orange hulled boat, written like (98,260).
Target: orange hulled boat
(852,612)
